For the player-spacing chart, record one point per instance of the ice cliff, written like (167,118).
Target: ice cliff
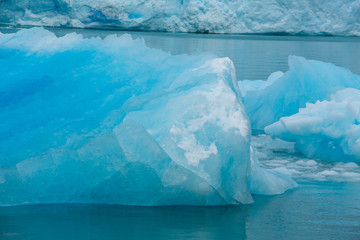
(113,121)
(341,17)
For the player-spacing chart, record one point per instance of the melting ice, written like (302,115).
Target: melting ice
(113,121)
(328,129)
(306,81)
(314,104)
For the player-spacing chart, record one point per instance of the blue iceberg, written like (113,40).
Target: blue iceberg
(113,121)
(306,81)
(216,16)
(256,85)
(329,130)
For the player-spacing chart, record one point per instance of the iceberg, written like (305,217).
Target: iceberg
(329,130)
(306,81)
(113,121)
(256,85)
(216,16)
(267,181)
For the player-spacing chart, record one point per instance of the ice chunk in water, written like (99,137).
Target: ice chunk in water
(113,121)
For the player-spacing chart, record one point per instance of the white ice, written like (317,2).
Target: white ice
(217,16)
(328,129)
(281,156)
(306,81)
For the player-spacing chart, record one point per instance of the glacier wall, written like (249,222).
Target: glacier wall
(340,17)
(113,121)
(329,129)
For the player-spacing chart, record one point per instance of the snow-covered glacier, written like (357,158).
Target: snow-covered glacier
(329,130)
(340,17)
(306,81)
(113,121)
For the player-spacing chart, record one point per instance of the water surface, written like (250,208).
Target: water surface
(254,56)
(326,205)
(315,210)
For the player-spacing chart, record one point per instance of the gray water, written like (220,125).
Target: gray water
(322,207)
(315,210)
(255,56)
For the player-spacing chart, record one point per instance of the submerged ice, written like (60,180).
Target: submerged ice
(218,16)
(112,121)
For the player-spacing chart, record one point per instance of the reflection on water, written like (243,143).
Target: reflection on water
(118,222)
(315,210)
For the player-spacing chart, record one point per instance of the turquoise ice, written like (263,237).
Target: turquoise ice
(329,130)
(306,81)
(314,104)
(113,121)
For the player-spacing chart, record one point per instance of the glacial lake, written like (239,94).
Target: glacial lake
(323,206)
(254,56)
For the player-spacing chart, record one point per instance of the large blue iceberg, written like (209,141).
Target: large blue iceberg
(329,130)
(307,81)
(113,121)
(218,16)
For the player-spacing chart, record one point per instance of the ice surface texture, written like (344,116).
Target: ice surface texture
(112,121)
(328,129)
(282,95)
(281,156)
(340,17)
(315,104)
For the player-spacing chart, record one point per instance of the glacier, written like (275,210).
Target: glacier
(328,129)
(314,17)
(306,81)
(113,121)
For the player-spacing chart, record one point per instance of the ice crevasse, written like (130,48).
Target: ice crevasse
(340,17)
(113,121)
